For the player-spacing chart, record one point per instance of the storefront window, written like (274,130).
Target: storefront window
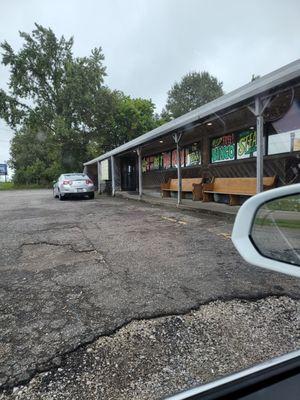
(174,158)
(223,149)
(144,164)
(166,160)
(157,162)
(162,161)
(284,142)
(150,163)
(193,155)
(182,157)
(246,144)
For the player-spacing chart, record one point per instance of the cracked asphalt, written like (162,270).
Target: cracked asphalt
(75,271)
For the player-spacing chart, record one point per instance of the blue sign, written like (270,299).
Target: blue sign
(3,169)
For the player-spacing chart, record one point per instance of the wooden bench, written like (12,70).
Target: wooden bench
(235,187)
(189,185)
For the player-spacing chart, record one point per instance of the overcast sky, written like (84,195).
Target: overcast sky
(150,44)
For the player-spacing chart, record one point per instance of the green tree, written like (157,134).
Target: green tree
(51,91)
(129,118)
(35,157)
(64,97)
(194,90)
(133,118)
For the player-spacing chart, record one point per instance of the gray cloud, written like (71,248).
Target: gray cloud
(149,44)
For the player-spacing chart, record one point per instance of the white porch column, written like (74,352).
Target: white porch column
(259,107)
(260,147)
(139,153)
(113,183)
(177,138)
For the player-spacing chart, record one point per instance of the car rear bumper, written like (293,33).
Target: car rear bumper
(76,191)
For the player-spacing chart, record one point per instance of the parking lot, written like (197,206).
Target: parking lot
(110,273)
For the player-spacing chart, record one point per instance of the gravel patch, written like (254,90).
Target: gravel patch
(150,359)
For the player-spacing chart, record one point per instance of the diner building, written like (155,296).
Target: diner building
(253,131)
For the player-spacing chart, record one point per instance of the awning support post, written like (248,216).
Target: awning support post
(177,137)
(113,184)
(258,110)
(259,145)
(139,153)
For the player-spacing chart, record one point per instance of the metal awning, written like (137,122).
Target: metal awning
(249,91)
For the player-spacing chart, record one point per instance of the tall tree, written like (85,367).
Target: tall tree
(53,92)
(193,90)
(129,118)
(62,100)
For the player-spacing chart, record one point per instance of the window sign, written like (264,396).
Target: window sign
(223,149)
(150,163)
(144,164)
(246,145)
(174,158)
(192,155)
(157,162)
(166,160)
(182,157)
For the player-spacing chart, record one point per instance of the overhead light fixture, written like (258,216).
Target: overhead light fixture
(251,127)
(209,124)
(161,141)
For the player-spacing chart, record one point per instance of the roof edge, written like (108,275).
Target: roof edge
(257,87)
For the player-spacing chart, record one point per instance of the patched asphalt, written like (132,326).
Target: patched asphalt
(74,271)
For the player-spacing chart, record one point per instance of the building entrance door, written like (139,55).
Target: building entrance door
(128,175)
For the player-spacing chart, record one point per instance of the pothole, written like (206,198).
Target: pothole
(41,256)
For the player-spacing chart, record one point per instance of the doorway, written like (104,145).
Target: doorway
(128,174)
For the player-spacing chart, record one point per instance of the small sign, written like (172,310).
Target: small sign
(223,149)
(167,160)
(246,146)
(104,170)
(3,169)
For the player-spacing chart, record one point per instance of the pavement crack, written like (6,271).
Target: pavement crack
(67,245)
(59,358)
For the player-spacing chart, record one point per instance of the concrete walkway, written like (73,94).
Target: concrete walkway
(187,204)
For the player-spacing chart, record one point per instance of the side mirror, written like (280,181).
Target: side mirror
(266,231)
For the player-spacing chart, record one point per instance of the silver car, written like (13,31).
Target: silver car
(75,184)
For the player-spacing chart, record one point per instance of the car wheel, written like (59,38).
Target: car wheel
(61,197)
(91,195)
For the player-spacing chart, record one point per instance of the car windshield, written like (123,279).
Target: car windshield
(131,133)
